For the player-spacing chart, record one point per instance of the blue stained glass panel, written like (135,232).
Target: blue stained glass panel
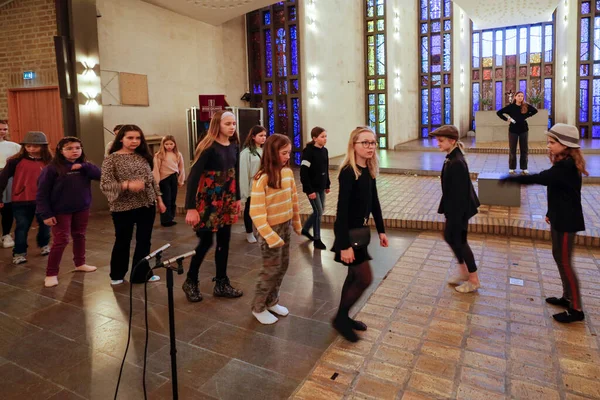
(424,28)
(282,114)
(296,123)
(584,45)
(597,5)
(447,54)
(436,106)
(585,7)
(596,132)
(268,54)
(256,89)
(476,91)
(447,106)
(548,95)
(297,158)
(424,132)
(523,87)
(267,17)
(271,116)
(475,62)
(583,100)
(424,4)
(523,45)
(281,44)
(424,55)
(548,43)
(596,100)
(294,49)
(380,7)
(499,43)
(295,88)
(424,106)
(269,88)
(596,69)
(371,99)
(283,88)
(597,39)
(447,25)
(372,116)
(499,95)
(436,26)
(380,54)
(292,13)
(435,11)
(447,8)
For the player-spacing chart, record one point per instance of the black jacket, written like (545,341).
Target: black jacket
(314,170)
(564,194)
(515,113)
(459,200)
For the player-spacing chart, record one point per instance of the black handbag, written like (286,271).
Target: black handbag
(360,237)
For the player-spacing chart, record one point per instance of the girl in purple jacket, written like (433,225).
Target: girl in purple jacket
(63,201)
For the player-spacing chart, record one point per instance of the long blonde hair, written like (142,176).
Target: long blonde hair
(162,153)
(350,160)
(213,132)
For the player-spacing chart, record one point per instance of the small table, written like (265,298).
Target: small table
(493,194)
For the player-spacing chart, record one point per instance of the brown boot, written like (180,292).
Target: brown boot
(191,291)
(224,289)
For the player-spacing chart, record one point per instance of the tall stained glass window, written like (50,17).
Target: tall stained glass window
(435,54)
(376,77)
(512,59)
(588,70)
(274,70)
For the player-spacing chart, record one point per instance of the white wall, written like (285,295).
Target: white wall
(333,49)
(565,93)
(403,60)
(182,58)
(461,69)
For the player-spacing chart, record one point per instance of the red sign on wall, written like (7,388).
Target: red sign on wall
(210,104)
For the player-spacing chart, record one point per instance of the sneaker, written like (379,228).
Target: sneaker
(250,238)
(154,278)
(265,317)
(511,171)
(7,241)
(190,288)
(279,310)
(45,250)
(224,289)
(555,301)
(525,172)
(319,245)
(307,234)
(569,316)
(19,259)
(116,282)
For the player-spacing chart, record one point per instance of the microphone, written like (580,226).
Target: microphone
(157,251)
(176,259)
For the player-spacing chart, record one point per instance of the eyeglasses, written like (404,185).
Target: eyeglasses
(366,144)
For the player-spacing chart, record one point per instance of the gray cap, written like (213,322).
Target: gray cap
(35,137)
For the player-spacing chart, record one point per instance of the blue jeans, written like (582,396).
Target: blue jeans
(24,214)
(314,220)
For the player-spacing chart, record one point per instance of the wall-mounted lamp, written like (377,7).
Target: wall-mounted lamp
(311,2)
(311,20)
(88,71)
(313,76)
(564,78)
(313,95)
(565,18)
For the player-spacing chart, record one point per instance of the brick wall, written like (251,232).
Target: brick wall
(27,28)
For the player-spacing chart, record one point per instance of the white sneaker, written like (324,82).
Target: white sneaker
(250,238)
(265,317)
(45,250)
(116,282)
(7,241)
(525,172)
(511,171)
(19,259)
(154,278)
(279,310)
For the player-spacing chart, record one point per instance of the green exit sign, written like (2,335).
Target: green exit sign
(28,75)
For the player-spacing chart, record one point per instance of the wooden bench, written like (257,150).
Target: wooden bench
(493,194)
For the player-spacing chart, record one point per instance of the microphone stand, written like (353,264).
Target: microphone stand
(172,319)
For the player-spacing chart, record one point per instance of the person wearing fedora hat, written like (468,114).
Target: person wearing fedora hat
(565,214)
(458,204)
(25,168)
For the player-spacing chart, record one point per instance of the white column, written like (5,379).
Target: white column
(402,71)
(461,69)
(565,91)
(332,59)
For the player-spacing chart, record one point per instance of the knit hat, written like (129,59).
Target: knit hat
(567,135)
(35,137)
(448,131)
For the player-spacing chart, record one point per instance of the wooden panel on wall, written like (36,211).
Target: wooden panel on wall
(134,89)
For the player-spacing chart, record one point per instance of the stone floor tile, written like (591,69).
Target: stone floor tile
(583,386)
(400,327)
(436,366)
(18,383)
(445,337)
(376,388)
(408,395)
(388,372)
(529,391)
(466,392)
(407,343)
(431,384)
(485,362)
(336,379)
(484,380)
(441,351)
(495,349)
(393,355)
(314,391)
(586,370)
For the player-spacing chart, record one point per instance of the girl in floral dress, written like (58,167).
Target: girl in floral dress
(213,202)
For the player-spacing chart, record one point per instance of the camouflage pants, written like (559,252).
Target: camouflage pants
(275,265)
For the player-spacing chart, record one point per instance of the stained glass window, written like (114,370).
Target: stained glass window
(274,70)
(435,52)
(376,77)
(588,70)
(511,59)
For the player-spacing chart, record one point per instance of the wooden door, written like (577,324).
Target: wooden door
(35,109)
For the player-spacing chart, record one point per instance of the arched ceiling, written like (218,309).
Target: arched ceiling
(487,14)
(214,12)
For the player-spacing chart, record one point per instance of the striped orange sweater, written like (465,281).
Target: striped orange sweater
(270,206)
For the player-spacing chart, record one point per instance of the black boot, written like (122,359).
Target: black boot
(344,327)
(190,288)
(569,316)
(224,289)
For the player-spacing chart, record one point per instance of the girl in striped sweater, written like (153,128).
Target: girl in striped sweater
(273,210)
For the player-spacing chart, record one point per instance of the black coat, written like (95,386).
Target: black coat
(515,113)
(459,200)
(564,194)
(314,170)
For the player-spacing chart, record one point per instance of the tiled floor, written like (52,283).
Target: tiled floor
(427,341)
(67,342)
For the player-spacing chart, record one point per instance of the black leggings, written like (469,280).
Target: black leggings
(247,219)
(456,237)
(7,218)
(562,251)
(221,253)
(357,281)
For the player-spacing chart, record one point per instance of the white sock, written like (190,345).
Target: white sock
(279,310)
(265,317)
(250,238)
